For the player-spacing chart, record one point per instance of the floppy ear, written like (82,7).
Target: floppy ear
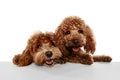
(59,38)
(90,41)
(25,58)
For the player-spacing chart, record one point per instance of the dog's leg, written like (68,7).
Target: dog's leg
(86,59)
(60,61)
(102,58)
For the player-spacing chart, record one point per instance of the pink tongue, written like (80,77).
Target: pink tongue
(49,62)
(75,49)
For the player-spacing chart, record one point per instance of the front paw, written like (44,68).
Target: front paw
(59,61)
(86,59)
(106,59)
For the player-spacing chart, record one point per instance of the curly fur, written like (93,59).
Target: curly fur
(40,49)
(76,41)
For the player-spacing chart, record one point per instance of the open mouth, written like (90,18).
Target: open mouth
(76,49)
(49,61)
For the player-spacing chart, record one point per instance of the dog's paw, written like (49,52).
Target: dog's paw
(102,58)
(107,59)
(60,61)
(86,59)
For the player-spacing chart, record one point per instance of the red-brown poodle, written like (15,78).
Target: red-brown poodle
(76,41)
(40,49)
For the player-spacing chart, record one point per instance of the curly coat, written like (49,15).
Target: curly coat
(76,41)
(40,49)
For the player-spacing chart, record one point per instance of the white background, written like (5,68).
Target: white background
(21,18)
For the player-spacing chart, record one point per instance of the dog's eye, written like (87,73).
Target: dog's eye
(53,44)
(38,46)
(67,32)
(80,31)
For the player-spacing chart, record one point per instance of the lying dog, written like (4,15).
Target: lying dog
(41,50)
(76,41)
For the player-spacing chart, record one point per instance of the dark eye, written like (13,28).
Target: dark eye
(52,43)
(38,46)
(67,32)
(80,31)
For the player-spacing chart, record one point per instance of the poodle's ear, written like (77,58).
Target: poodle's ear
(90,41)
(25,58)
(58,33)
(59,38)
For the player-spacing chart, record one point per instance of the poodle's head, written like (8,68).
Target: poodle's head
(43,49)
(73,34)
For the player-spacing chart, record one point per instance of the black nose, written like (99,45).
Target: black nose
(75,41)
(48,53)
